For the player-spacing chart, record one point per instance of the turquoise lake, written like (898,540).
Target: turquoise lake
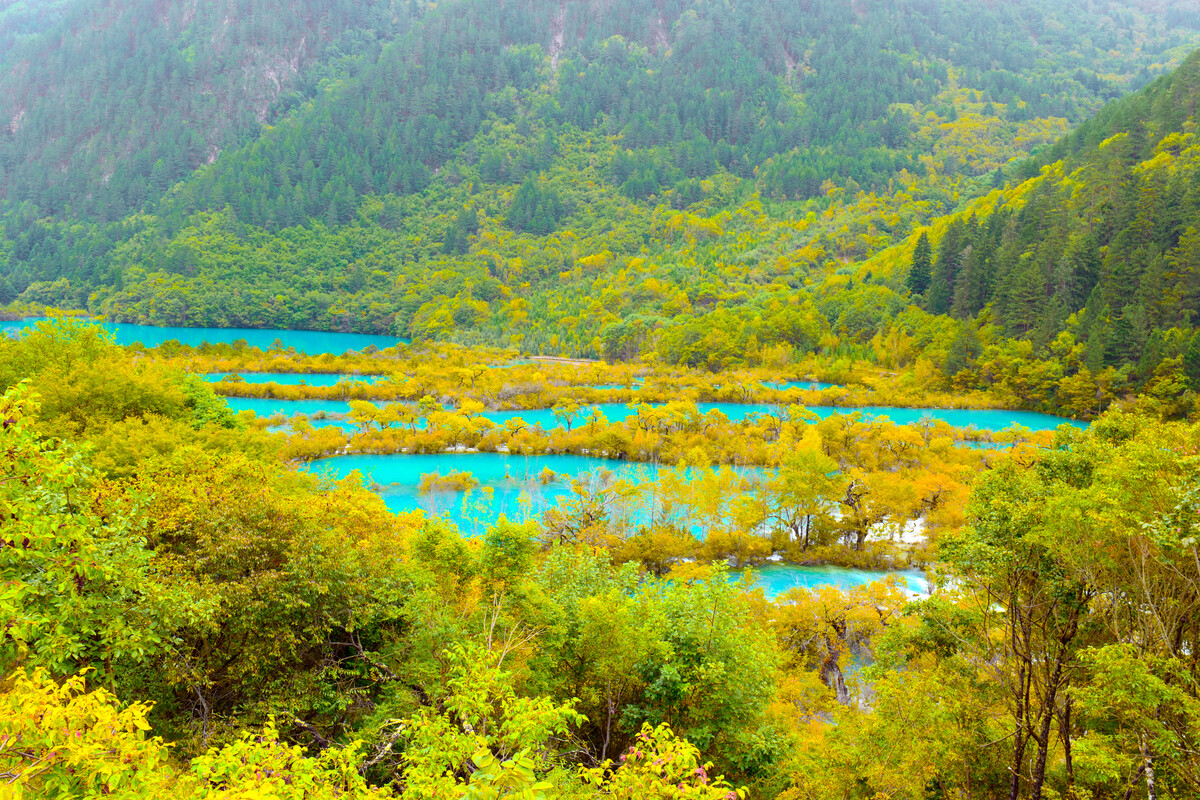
(615,386)
(314,343)
(812,386)
(511,486)
(775,579)
(319,343)
(269,407)
(516,490)
(296,378)
(512,483)
(982,419)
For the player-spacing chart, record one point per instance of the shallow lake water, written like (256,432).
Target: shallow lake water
(320,342)
(982,419)
(296,378)
(775,579)
(313,343)
(509,485)
(512,486)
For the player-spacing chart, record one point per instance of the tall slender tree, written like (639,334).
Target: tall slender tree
(921,271)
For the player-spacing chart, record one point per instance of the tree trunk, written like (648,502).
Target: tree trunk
(1048,706)
(1065,734)
(1014,787)
(1022,711)
(831,676)
(831,671)
(1129,792)
(608,723)
(1148,762)
(1039,764)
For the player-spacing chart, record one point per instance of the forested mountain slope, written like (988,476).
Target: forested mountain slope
(718,87)
(102,92)
(105,104)
(21,20)
(1093,265)
(696,182)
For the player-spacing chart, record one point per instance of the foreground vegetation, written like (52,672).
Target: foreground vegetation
(204,620)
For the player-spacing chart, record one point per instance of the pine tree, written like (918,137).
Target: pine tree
(963,351)
(1191,362)
(945,270)
(1121,343)
(968,284)
(459,233)
(1024,297)
(1183,279)
(922,266)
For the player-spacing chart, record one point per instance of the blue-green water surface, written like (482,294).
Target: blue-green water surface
(982,419)
(296,378)
(314,343)
(775,579)
(509,485)
(513,486)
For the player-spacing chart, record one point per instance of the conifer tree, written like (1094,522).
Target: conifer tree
(922,266)
(1121,343)
(945,270)
(1191,362)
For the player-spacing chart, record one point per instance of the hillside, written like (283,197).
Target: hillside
(1091,268)
(179,82)
(687,182)
(106,104)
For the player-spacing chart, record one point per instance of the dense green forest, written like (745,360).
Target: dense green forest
(100,119)
(713,84)
(1090,266)
(680,181)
